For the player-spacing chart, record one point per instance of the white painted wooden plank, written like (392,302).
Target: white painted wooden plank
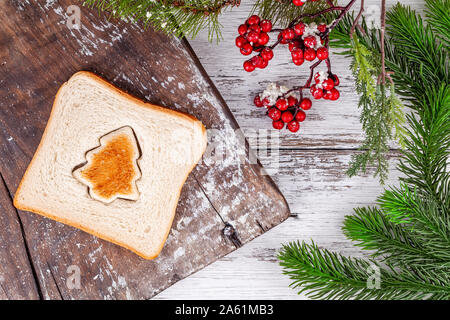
(317,189)
(252,272)
(316,181)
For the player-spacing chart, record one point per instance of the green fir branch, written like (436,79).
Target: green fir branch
(438,16)
(372,230)
(375,114)
(410,232)
(382,112)
(178,17)
(397,117)
(418,43)
(322,274)
(424,160)
(423,217)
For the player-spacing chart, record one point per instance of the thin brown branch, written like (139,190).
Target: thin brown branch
(320,13)
(361,29)
(341,15)
(332,7)
(308,82)
(355,23)
(383,27)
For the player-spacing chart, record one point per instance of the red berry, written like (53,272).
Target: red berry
(242,29)
(263,38)
(253,20)
(281,39)
(334,94)
(317,77)
(309,54)
(328,84)
(306,104)
(261,63)
(281,104)
(267,54)
(255,28)
(257,101)
(322,27)
(292,101)
(310,41)
(299,28)
(288,34)
(322,53)
(266,25)
(274,114)
(287,117)
(300,116)
(298,3)
(336,80)
(327,95)
(255,60)
(266,102)
(248,66)
(293,44)
(293,126)
(297,54)
(298,62)
(317,93)
(246,49)
(253,36)
(278,125)
(240,41)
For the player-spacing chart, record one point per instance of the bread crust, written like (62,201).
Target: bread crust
(140,102)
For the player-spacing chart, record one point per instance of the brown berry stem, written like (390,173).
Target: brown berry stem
(356,22)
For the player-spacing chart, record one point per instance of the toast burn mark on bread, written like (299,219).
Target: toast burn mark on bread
(111,169)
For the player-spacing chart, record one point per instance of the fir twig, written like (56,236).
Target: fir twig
(178,17)
(381,111)
(438,16)
(327,275)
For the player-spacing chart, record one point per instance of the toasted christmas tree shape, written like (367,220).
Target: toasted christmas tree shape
(111,169)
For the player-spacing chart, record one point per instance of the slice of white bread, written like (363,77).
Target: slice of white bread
(87,108)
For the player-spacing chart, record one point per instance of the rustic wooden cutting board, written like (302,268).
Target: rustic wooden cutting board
(225,202)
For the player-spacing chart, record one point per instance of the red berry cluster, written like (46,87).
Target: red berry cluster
(285,111)
(325,86)
(253,36)
(306,42)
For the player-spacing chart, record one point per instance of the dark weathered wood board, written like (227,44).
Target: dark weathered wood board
(38,52)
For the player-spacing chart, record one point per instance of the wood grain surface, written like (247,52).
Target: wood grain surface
(38,52)
(312,172)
